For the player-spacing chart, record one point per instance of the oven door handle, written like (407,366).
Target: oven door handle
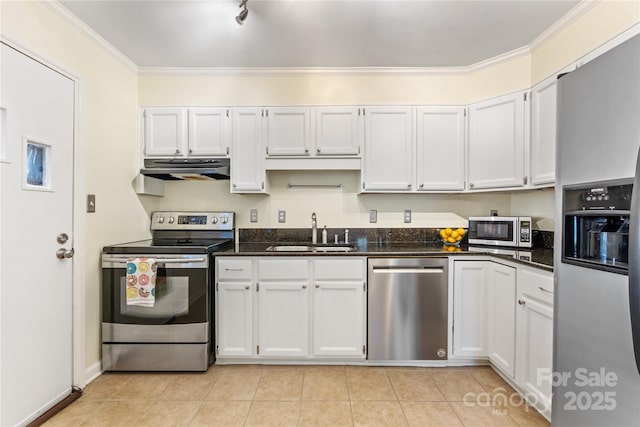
(158,260)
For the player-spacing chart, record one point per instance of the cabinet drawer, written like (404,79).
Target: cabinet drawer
(234,269)
(538,285)
(339,269)
(283,269)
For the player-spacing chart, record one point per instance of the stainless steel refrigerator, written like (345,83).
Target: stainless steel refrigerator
(596,379)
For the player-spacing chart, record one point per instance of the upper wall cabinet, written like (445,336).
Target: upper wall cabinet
(496,142)
(183,132)
(389,140)
(440,148)
(247,160)
(288,131)
(339,131)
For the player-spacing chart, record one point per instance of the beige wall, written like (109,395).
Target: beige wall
(108,111)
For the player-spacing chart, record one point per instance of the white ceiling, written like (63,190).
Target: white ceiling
(320,33)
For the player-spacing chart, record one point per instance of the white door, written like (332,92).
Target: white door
(164,132)
(247,157)
(209,131)
(339,131)
(389,144)
(543,132)
(440,148)
(470,281)
(502,318)
(283,318)
(235,319)
(288,131)
(496,142)
(37,205)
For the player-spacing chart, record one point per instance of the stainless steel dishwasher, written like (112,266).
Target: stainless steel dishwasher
(407,308)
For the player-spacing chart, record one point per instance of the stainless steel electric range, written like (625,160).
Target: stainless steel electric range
(176,331)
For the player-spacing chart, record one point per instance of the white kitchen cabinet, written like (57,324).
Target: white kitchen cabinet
(339,328)
(470,286)
(186,132)
(248,174)
(234,308)
(288,131)
(496,142)
(389,149)
(534,345)
(440,148)
(501,343)
(165,132)
(209,131)
(339,131)
(283,319)
(543,132)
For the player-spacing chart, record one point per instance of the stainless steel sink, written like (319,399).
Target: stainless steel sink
(313,248)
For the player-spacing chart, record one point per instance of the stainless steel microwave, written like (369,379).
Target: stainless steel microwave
(511,231)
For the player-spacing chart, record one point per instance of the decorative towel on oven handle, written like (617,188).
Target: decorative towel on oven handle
(141,281)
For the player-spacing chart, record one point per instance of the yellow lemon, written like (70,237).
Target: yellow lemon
(461,231)
(454,234)
(448,231)
(443,234)
(451,240)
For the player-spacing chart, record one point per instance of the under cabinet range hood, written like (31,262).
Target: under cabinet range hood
(200,169)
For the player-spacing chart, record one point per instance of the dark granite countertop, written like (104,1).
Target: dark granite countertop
(540,258)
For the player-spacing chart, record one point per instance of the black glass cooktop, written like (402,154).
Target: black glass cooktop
(170,246)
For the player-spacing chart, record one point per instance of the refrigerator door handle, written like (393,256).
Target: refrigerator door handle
(634,263)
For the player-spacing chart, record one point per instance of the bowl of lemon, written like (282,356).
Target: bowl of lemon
(452,237)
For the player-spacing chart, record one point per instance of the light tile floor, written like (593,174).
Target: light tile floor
(301,396)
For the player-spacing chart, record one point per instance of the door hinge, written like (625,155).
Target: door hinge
(257,349)
(363,112)
(364,349)
(267,150)
(465,112)
(524,180)
(359,112)
(217,289)
(257,287)
(364,286)
(358,149)
(217,349)
(227,151)
(227,112)
(363,185)
(262,185)
(525,97)
(144,113)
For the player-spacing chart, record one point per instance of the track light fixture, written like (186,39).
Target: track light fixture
(243,13)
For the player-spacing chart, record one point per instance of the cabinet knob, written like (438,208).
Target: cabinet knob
(190,151)
(234,185)
(317,150)
(421,185)
(471,185)
(247,287)
(304,286)
(521,302)
(177,151)
(408,185)
(306,150)
(317,286)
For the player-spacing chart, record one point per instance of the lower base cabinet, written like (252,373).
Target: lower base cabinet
(535,337)
(290,308)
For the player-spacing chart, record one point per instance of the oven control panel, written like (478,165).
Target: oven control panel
(170,220)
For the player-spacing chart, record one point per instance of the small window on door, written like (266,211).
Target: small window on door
(37,165)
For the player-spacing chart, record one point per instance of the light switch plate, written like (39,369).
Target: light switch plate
(407,216)
(254,215)
(373,216)
(282,216)
(91,203)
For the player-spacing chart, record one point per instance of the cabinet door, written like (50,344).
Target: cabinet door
(496,142)
(288,131)
(283,319)
(247,160)
(440,148)
(389,149)
(470,308)
(164,132)
(338,318)
(543,132)
(209,131)
(339,131)
(534,347)
(501,343)
(234,319)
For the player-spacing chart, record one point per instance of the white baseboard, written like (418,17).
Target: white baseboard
(93,372)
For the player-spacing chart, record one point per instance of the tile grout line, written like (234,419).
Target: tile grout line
(406,420)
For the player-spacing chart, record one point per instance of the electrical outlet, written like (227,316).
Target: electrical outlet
(407,216)
(373,216)
(282,216)
(254,215)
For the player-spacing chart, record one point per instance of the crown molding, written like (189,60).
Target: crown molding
(56,7)
(565,21)
(230,71)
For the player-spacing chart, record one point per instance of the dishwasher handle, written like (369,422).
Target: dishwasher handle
(408,270)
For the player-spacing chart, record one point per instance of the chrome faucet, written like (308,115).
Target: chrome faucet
(314,229)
